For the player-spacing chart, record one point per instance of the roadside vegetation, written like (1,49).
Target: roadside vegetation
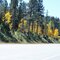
(22,22)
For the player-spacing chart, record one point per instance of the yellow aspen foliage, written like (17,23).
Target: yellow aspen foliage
(19,26)
(10,26)
(50,32)
(22,20)
(8,17)
(39,30)
(25,23)
(56,32)
(48,25)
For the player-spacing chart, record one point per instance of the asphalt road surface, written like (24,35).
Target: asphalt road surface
(29,52)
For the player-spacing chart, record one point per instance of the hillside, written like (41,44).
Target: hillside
(22,38)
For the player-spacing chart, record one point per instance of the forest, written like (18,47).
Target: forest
(22,22)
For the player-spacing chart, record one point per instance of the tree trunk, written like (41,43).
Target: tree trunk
(37,28)
(28,28)
(32,26)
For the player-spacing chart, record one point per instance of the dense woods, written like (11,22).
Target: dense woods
(22,22)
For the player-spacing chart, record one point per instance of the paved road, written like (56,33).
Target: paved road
(29,52)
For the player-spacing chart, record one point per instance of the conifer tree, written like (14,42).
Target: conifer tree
(13,8)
